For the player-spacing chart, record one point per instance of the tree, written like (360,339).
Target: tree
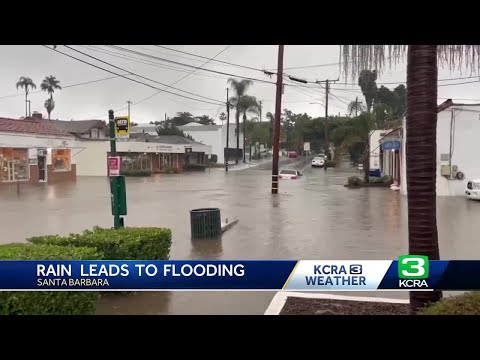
(49,105)
(421,131)
(356,107)
(223,117)
(396,100)
(168,128)
(205,120)
(182,118)
(50,84)
(239,88)
(26,83)
(367,82)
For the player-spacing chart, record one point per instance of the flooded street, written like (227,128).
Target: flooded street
(311,218)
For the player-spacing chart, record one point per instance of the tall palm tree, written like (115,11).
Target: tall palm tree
(49,105)
(50,84)
(248,104)
(239,88)
(421,130)
(355,107)
(26,83)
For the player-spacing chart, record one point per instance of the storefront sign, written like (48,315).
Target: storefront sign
(33,161)
(391,145)
(114,165)
(122,127)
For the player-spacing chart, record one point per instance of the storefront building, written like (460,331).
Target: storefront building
(391,154)
(32,151)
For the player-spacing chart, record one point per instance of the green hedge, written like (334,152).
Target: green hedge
(47,302)
(464,304)
(131,243)
(129,172)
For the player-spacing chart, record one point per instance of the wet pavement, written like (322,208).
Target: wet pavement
(311,218)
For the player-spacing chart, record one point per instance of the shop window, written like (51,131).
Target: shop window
(136,161)
(94,133)
(61,159)
(13,164)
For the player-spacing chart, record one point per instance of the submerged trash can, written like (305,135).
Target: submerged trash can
(205,223)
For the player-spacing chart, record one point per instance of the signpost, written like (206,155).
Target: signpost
(122,127)
(306,150)
(119,127)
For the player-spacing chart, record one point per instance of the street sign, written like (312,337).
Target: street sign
(114,165)
(122,127)
(306,146)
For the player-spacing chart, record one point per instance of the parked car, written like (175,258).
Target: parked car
(288,174)
(318,162)
(473,189)
(292,154)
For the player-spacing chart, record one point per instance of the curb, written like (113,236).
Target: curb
(279,300)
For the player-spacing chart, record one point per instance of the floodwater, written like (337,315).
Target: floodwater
(311,218)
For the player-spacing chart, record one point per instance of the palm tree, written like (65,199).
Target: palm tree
(367,82)
(248,104)
(26,83)
(50,84)
(240,88)
(356,107)
(421,131)
(49,105)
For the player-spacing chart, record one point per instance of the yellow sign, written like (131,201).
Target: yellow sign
(122,127)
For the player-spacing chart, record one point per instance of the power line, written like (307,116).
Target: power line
(140,76)
(217,61)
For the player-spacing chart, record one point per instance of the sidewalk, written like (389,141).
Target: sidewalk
(249,164)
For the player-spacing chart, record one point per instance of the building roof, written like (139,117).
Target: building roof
(31,126)
(78,126)
(143,128)
(164,139)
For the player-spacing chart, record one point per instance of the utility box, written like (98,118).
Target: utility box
(117,183)
(445,170)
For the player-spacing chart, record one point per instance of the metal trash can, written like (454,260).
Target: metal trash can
(205,223)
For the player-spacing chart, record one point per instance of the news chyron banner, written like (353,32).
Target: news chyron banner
(409,272)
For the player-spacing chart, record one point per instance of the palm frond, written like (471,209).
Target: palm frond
(360,57)
(240,87)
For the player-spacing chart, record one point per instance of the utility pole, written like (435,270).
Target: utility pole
(114,179)
(228,131)
(356,107)
(327,142)
(278,109)
(128,103)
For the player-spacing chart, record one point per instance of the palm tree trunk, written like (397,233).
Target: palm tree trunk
(237,122)
(421,153)
(26,104)
(244,132)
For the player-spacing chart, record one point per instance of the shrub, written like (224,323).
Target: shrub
(130,172)
(132,243)
(464,304)
(47,302)
(354,181)
(172,170)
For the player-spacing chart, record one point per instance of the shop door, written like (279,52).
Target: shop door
(42,168)
(11,171)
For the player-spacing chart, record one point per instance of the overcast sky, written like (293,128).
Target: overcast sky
(92,101)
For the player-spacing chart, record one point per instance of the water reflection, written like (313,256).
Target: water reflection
(209,249)
(139,303)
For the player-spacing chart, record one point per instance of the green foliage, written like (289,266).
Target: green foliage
(47,302)
(169,128)
(134,172)
(134,243)
(367,82)
(205,120)
(465,304)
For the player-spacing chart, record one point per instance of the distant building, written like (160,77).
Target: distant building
(34,151)
(83,129)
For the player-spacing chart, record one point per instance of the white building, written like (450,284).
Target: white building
(458,146)
(211,135)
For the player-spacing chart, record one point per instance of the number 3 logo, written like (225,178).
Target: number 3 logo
(413,267)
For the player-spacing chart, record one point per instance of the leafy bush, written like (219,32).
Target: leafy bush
(130,172)
(354,181)
(133,243)
(465,304)
(47,302)
(172,170)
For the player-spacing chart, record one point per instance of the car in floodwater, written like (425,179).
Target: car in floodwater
(473,189)
(289,174)
(318,162)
